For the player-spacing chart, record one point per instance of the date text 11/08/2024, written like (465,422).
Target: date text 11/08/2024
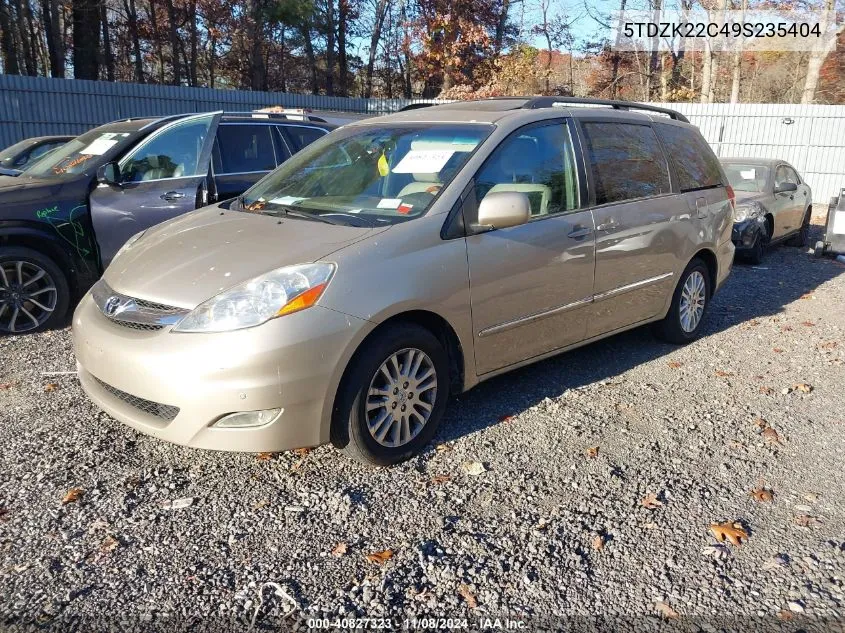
(418,624)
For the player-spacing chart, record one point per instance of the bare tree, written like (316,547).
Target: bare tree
(817,56)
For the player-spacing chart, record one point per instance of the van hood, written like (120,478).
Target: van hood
(194,257)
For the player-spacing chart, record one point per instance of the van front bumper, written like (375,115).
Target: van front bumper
(177,386)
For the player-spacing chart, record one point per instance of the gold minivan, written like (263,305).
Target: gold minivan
(403,259)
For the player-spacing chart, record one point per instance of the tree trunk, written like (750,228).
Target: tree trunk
(654,59)
(157,40)
(330,40)
(86,39)
(309,55)
(706,71)
(132,20)
(375,36)
(173,28)
(616,60)
(736,63)
(817,58)
(255,36)
(51,12)
(212,58)
(26,43)
(342,61)
(108,57)
(500,26)
(194,43)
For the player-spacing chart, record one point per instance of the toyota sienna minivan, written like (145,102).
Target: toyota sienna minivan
(401,260)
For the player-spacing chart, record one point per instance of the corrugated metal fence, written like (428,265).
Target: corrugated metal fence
(811,137)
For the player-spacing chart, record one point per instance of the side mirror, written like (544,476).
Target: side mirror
(503,209)
(786,187)
(109,174)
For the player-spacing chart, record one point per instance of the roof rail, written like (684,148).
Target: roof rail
(551,102)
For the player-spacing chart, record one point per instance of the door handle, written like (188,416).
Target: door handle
(792,197)
(579,231)
(172,195)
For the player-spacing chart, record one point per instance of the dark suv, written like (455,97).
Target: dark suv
(63,220)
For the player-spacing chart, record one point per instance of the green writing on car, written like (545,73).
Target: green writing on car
(46,213)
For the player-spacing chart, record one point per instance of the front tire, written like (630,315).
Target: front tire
(755,255)
(392,397)
(34,293)
(690,301)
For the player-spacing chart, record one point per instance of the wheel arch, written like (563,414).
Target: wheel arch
(34,239)
(431,321)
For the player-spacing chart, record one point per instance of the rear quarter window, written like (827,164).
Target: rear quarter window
(694,161)
(302,135)
(626,161)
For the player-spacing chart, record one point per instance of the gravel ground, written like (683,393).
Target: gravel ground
(510,514)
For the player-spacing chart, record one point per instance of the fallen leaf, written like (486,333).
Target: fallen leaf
(301,451)
(812,497)
(473,468)
(442,448)
(806,295)
(825,345)
(733,532)
(777,350)
(651,501)
(598,542)
(466,593)
(592,452)
(340,549)
(723,374)
(675,364)
(380,558)
(4,514)
(762,495)
(542,524)
(666,611)
(440,479)
(74,494)
(263,457)
(805,520)
(753,322)
(109,544)
(784,615)
(768,391)
(506,418)
(5,385)
(719,552)
(50,387)
(760,423)
(808,324)
(770,436)
(786,328)
(261,504)
(803,387)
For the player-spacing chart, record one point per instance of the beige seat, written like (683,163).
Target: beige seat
(423,183)
(539,203)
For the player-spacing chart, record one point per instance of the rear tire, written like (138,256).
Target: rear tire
(34,292)
(690,301)
(392,397)
(802,238)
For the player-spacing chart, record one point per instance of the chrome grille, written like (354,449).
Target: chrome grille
(130,312)
(164,412)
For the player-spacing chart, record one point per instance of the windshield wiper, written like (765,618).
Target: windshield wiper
(305,215)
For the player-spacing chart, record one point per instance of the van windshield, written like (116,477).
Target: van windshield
(379,174)
(81,155)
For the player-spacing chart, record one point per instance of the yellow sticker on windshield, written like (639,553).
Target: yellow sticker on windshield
(383,167)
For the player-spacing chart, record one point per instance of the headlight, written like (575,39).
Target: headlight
(283,291)
(747,211)
(129,244)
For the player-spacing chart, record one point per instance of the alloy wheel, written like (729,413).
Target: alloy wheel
(693,298)
(28,296)
(401,397)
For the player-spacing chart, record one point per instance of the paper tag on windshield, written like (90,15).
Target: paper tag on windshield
(423,161)
(99,147)
(389,203)
(748,174)
(286,200)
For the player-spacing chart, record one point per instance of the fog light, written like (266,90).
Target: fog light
(248,419)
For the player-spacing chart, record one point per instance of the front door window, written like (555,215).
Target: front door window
(171,153)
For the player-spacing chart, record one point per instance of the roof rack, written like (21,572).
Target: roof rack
(275,112)
(551,102)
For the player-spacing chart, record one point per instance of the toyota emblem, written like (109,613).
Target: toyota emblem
(111,306)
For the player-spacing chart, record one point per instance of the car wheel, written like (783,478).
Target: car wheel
(818,251)
(393,396)
(755,255)
(802,237)
(689,305)
(34,293)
